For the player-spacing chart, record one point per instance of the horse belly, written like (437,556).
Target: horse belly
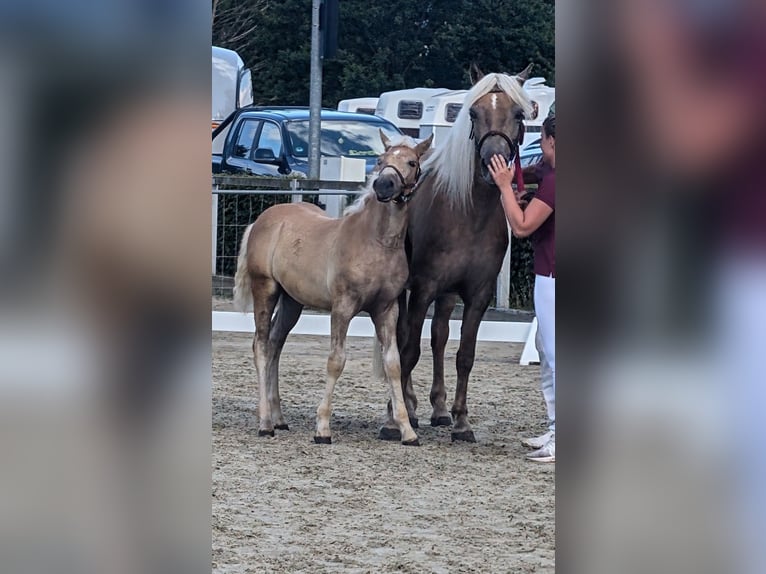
(306,282)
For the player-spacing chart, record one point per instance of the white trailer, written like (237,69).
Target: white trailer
(542,97)
(359,105)
(441,111)
(232,88)
(405,108)
(439,115)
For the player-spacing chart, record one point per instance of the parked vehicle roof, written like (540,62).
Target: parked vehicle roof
(303,113)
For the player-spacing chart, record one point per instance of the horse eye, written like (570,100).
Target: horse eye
(472,114)
(379,161)
(519,115)
(413,163)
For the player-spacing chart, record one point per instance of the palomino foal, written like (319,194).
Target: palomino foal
(295,255)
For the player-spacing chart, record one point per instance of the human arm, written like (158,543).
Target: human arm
(523,222)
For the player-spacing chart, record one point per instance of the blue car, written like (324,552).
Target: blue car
(274,141)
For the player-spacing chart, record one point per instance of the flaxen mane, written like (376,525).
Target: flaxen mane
(453,161)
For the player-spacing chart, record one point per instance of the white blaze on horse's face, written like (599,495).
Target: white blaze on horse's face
(497,128)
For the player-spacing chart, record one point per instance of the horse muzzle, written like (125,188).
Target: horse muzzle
(386,188)
(485,164)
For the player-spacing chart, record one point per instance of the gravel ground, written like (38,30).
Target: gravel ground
(360,505)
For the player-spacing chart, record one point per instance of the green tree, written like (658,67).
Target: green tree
(385,45)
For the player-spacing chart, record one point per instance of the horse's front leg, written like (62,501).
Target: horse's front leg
(472,315)
(439,336)
(339,320)
(385,326)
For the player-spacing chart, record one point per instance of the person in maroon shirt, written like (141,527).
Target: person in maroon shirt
(537,221)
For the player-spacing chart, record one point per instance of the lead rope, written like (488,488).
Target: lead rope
(519,174)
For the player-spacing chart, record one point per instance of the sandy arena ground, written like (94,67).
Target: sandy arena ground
(360,505)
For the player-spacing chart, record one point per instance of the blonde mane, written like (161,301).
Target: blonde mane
(453,161)
(367,192)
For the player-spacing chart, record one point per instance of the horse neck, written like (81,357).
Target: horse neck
(388,221)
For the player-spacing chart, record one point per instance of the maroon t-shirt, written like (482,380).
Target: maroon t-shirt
(544,239)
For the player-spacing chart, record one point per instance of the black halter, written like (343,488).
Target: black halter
(402,198)
(513,145)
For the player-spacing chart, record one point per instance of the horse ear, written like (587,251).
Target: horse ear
(424,146)
(475,73)
(385,140)
(523,76)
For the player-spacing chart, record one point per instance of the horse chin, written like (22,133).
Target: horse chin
(486,175)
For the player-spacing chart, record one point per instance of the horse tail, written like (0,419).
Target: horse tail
(242,293)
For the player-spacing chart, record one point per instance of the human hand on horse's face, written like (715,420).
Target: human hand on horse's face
(501,172)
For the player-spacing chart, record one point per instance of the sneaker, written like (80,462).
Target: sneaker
(545,454)
(538,441)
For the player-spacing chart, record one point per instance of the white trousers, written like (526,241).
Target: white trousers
(545,341)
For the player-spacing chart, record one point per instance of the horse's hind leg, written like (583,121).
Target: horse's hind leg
(474,311)
(385,327)
(265,296)
(287,314)
(339,321)
(439,335)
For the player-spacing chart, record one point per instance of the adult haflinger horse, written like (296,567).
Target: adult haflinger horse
(457,239)
(295,255)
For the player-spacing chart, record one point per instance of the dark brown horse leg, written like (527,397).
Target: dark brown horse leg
(287,314)
(472,315)
(265,296)
(385,327)
(439,335)
(417,306)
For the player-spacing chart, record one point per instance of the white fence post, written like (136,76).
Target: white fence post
(503,290)
(297,197)
(215,225)
(529,354)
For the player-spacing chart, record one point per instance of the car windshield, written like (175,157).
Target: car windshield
(341,137)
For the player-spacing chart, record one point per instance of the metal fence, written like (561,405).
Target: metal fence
(238,201)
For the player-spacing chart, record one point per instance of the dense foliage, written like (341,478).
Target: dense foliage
(385,45)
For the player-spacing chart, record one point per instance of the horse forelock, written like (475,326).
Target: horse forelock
(453,162)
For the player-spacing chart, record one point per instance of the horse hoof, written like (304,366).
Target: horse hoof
(282,427)
(413,423)
(465,436)
(389,434)
(441,421)
(323,440)
(265,433)
(413,442)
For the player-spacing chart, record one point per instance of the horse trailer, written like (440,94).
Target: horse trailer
(442,109)
(439,115)
(359,105)
(405,108)
(232,88)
